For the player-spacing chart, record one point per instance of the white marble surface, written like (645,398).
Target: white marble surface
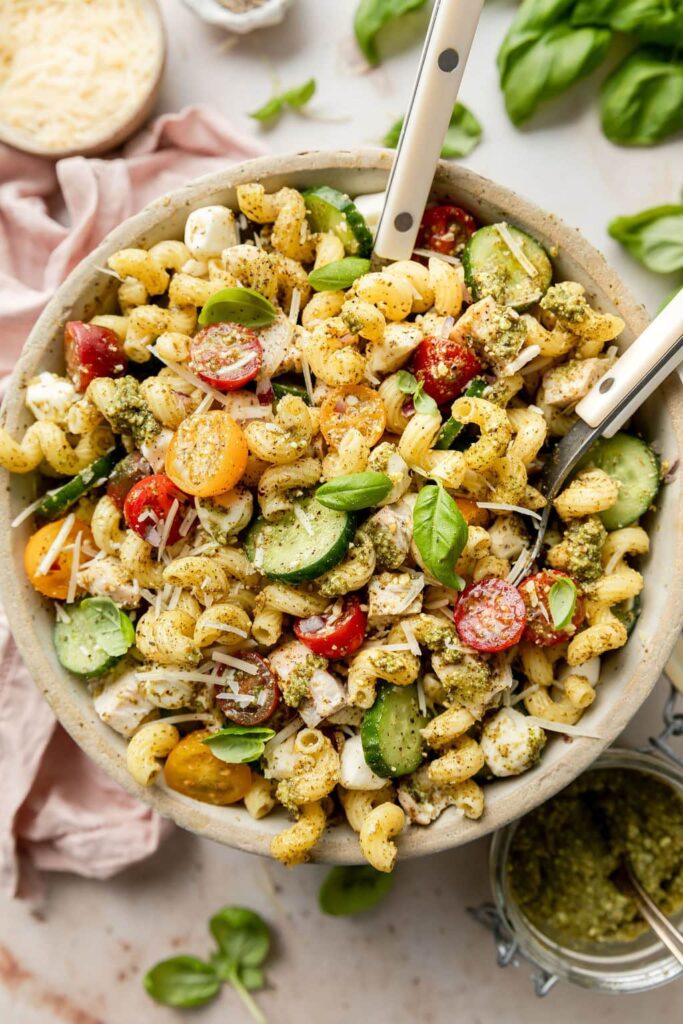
(78,957)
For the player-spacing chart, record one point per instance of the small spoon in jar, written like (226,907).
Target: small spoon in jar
(660,924)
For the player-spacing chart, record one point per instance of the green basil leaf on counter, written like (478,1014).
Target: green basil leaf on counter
(295,99)
(182,981)
(239,744)
(654,237)
(543,54)
(373,15)
(353,890)
(242,936)
(354,491)
(440,533)
(651,21)
(409,385)
(642,100)
(338,276)
(562,602)
(463,134)
(238,306)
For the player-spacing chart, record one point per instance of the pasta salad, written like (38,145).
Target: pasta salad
(299,492)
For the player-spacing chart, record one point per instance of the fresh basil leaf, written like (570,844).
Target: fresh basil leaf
(295,99)
(406,382)
(239,744)
(252,978)
(238,306)
(423,402)
(651,21)
(440,533)
(654,237)
(642,100)
(243,937)
(338,276)
(543,54)
(182,981)
(353,890)
(462,135)
(373,15)
(562,602)
(354,491)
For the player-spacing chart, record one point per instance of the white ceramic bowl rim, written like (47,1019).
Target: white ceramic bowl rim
(633,672)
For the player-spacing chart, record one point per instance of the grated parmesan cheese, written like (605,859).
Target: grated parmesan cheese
(570,730)
(55,548)
(241,666)
(75,566)
(413,645)
(516,250)
(502,507)
(295,306)
(428,253)
(308,380)
(524,357)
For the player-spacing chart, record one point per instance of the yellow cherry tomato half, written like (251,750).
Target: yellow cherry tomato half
(55,582)
(191,769)
(354,405)
(207,454)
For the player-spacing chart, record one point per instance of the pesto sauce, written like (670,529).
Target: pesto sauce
(563,856)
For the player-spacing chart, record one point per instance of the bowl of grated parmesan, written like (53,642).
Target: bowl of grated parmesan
(77,76)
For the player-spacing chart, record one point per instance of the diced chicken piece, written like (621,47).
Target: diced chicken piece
(155,450)
(385,459)
(281,348)
(508,537)
(391,531)
(210,230)
(496,333)
(280,762)
(107,578)
(394,350)
(394,593)
(49,397)
(472,679)
(122,704)
(227,518)
(294,665)
(328,696)
(567,384)
(424,800)
(511,744)
(244,407)
(355,771)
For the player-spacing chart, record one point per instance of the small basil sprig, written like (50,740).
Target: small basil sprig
(562,602)
(354,491)
(652,21)
(238,306)
(243,940)
(373,15)
(462,135)
(440,533)
(409,385)
(338,276)
(294,99)
(543,54)
(239,744)
(654,237)
(353,890)
(642,100)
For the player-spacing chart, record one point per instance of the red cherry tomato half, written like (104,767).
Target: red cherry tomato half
(539,622)
(227,356)
(445,229)
(334,635)
(259,685)
(147,506)
(91,351)
(128,471)
(444,367)
(490,615)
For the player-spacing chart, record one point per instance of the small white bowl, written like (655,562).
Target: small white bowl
(217,12)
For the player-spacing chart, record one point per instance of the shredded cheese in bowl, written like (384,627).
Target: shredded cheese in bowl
(75,74)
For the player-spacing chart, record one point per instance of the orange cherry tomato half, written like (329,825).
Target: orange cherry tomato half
(354,405)
(207,454)
(193,770)
(55,582)
(471,513)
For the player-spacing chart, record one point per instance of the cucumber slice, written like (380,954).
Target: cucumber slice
(452,428)
(287,551)
(55,505)
(492,268)
(390,733)
(633,463)
(330,210)
(282,387)
(96,636)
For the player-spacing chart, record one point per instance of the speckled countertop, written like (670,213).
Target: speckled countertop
(418,959)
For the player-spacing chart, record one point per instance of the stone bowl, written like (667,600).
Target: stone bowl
(628,676)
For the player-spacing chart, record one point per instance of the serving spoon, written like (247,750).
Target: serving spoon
(666,932)
(610,403)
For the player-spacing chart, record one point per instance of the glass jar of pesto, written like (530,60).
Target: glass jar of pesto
(551,875)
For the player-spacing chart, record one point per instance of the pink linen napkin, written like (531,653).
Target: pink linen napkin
(58,811)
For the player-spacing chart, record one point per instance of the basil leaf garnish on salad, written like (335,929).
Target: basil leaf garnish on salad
(409,385)
(294,99)
(353,890)
(562,602)
(440,533)
(373,15)
(338,276)
(642,100)
(238,306)
(239,744)
(354,492)
(654,237)
(462,135)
